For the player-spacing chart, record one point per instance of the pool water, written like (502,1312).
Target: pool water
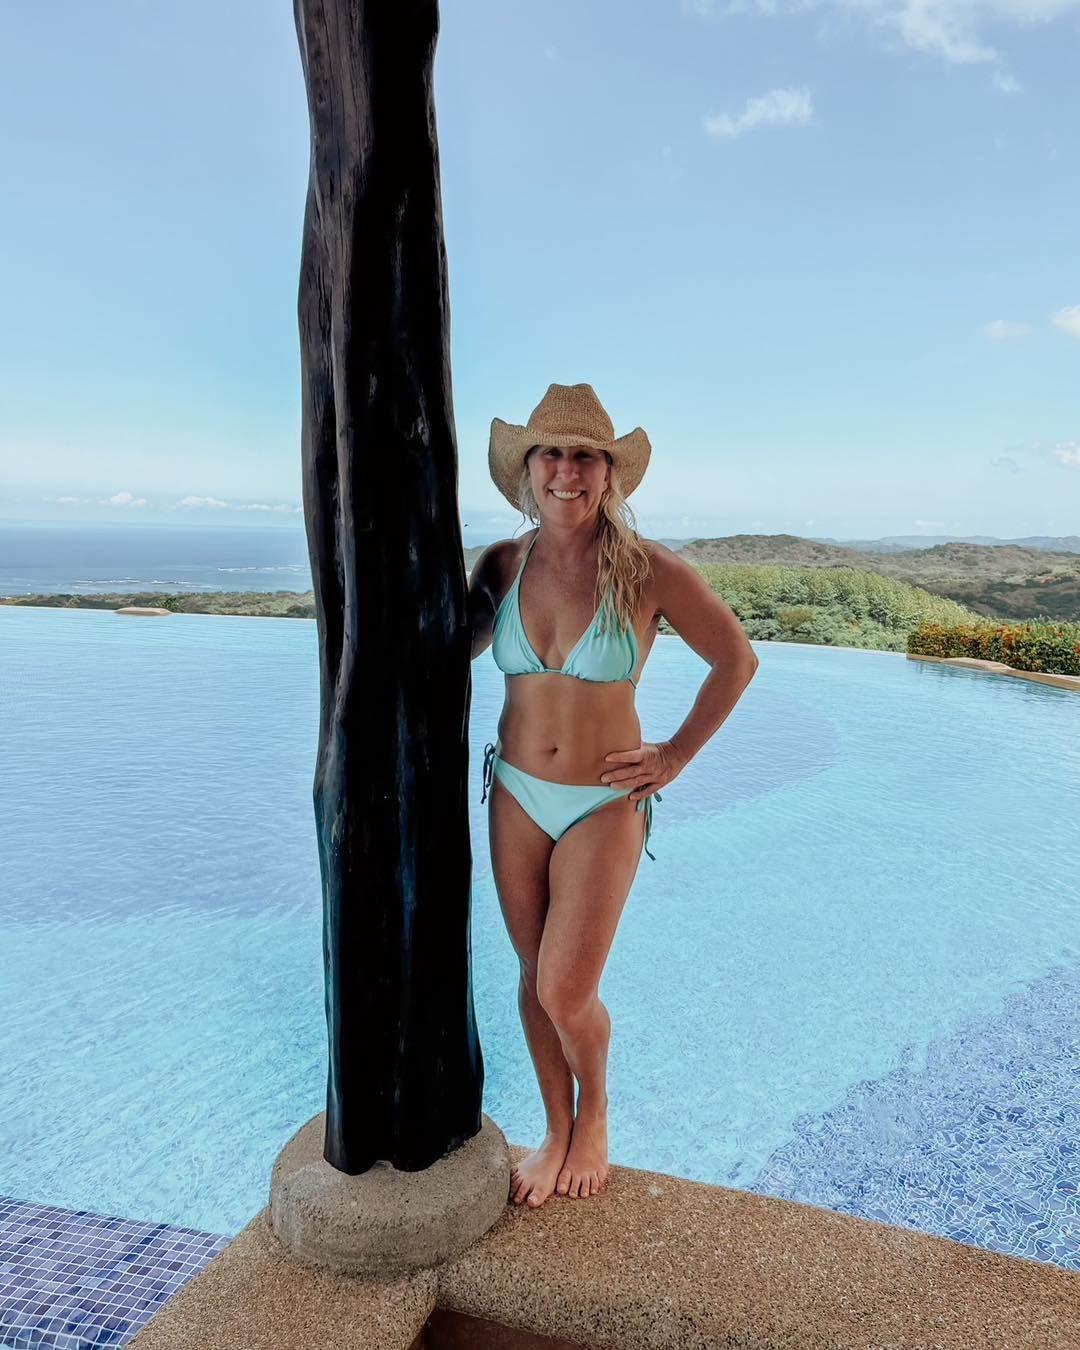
(851,978)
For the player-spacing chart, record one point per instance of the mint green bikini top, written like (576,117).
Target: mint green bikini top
(599,656)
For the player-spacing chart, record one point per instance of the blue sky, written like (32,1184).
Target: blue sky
(822,250)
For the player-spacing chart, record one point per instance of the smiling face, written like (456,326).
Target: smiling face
(567,482)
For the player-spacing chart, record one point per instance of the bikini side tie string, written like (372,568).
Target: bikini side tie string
(489,767)
(648,820)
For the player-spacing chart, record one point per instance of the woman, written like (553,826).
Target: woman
(571,783)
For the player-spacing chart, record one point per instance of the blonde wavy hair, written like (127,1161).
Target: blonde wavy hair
(624,565)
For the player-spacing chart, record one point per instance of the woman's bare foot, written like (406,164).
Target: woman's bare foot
(533,1179)
(586,1167)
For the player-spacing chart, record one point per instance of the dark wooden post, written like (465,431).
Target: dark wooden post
(380,502)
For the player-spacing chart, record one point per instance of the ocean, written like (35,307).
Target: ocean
(43,558)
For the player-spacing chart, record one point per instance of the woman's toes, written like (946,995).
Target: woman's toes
(534,1200)
(563,1183)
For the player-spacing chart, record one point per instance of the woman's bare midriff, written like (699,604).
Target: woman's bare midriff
(560,727)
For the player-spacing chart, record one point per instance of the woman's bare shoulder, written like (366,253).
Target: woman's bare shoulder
(668,572)
(494,568)
(662,560)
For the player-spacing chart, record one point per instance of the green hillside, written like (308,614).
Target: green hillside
(838,606)
(260,604)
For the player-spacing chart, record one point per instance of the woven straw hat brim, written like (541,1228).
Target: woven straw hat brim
(510,444)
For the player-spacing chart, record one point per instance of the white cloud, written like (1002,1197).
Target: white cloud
(1068,320)
(282,508)
(1007,463)
(950,29)
(777,108)
(942,27)
(1000,330)
(211,502)
(1068,452)
(123,499)
(69,501)
(1042,453)
(1006,83)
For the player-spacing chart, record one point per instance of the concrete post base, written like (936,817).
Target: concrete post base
(385,1222)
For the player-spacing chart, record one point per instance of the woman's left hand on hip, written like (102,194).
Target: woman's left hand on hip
(644,770)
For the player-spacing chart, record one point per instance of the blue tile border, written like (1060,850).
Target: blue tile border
(71,1280)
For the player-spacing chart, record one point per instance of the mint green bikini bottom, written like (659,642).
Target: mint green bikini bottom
(557,806)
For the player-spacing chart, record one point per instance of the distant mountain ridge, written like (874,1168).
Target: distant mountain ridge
(999,581)
(892,543)
(1066,543)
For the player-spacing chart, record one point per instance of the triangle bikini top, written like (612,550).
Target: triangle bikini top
(599,656)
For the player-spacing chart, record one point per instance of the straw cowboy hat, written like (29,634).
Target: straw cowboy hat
(568,414)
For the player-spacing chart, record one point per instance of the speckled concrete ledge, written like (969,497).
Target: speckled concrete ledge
(652,1263)
(999,668)
(251,1298)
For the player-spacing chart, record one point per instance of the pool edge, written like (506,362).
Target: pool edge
(999,668)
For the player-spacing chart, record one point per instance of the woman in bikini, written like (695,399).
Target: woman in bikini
(570,784)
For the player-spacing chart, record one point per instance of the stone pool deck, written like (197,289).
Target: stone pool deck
(999,668)
(652,1263)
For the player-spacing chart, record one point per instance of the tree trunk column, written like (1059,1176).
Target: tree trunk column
(380,501)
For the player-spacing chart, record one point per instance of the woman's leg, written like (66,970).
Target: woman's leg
(591,871)
(520,852)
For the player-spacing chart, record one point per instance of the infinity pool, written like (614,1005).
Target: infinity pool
(851,978)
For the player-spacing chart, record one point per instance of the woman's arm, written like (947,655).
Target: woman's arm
(481,608)
(708,626)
